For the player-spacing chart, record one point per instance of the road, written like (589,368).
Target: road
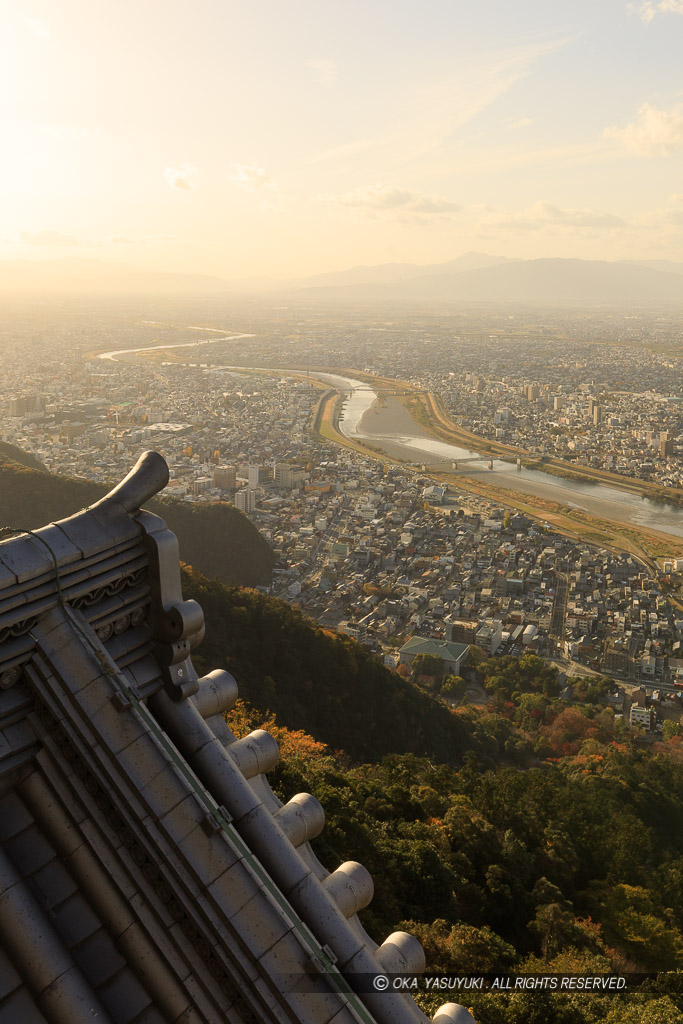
(559,606)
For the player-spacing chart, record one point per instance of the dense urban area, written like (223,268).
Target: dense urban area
(341,512)
(373,548)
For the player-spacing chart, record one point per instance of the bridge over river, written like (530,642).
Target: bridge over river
(389,427)
(392,430)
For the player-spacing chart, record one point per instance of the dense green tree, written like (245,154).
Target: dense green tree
(634,919)
(671,729)
(322,682)
(427,665)
(513,869)
(453,687)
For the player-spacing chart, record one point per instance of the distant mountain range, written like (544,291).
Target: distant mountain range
(473,277)
(398,273)
(556,282)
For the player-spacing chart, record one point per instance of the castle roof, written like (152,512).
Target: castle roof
(147,871)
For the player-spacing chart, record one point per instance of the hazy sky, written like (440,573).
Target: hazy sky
(285,137)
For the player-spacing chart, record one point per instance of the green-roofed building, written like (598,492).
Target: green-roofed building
(452,654)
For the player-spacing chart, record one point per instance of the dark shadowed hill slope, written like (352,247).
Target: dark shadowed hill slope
(321,682)
(215,538)
(10,453)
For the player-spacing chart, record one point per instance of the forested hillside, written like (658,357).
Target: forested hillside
(572,865)
(531,836)
(535,837)
(216,538)
(322,682)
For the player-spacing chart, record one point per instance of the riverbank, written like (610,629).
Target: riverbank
(391,415)
(384,425)
(429,413)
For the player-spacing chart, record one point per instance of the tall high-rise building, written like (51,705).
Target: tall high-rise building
(288,476)
(201,485)
(18,406)
(245,500)
(224,477)
(666,445)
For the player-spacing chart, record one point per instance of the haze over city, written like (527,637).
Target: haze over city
(270,141)
(341,512)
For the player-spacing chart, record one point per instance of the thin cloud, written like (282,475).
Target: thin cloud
(325,69)
(37,27)
(346,150)
(542,215)
(152,239)
(251,179)
(183,177)
(48,237)
(442,109)
(651,8)
(390,199)
(423,123)
(668,216)
(512,156)
(673,212)
(654,132)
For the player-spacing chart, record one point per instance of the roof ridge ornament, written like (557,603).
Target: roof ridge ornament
(95,656)
(148,476)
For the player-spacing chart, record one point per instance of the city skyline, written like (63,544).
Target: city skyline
(263,143)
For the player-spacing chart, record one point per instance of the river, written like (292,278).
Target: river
(598,499)
(115,353)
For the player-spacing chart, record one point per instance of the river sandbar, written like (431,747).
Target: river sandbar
(389,417)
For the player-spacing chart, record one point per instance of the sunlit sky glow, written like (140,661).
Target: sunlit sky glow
(275,139)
